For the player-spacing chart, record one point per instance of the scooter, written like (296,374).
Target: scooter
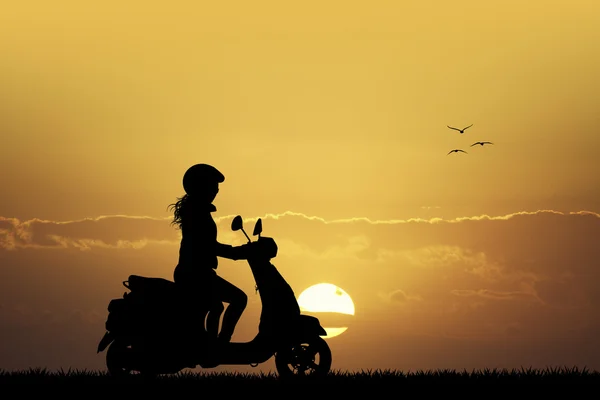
(148,331)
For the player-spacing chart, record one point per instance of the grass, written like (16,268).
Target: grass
(335,378)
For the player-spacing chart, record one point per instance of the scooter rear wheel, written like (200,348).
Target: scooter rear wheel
(311,357)
(119,361)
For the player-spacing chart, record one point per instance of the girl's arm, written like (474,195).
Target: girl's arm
(232,252)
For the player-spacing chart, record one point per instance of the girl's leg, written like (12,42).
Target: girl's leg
(214,318)
(237,300)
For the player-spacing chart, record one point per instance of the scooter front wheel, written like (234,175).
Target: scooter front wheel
(311,357)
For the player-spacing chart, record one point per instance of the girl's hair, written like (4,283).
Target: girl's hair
(179,208)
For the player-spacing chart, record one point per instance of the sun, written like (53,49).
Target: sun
(327,298)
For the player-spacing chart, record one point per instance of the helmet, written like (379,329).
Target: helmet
(199,175)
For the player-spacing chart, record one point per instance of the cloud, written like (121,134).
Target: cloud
(544,254)
(118,231)
(546,251)
(413,220)
(496,295)
(399,296)
(27,317)
(525,275)
(136,231)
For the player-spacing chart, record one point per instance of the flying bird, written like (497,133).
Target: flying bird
(460,130)
(481,143)
(456,151)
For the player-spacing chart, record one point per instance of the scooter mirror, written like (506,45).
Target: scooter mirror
(237,223)
(257,227)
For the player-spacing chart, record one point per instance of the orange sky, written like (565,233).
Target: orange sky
(333,117)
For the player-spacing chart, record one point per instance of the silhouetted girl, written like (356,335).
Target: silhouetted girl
(196,271)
